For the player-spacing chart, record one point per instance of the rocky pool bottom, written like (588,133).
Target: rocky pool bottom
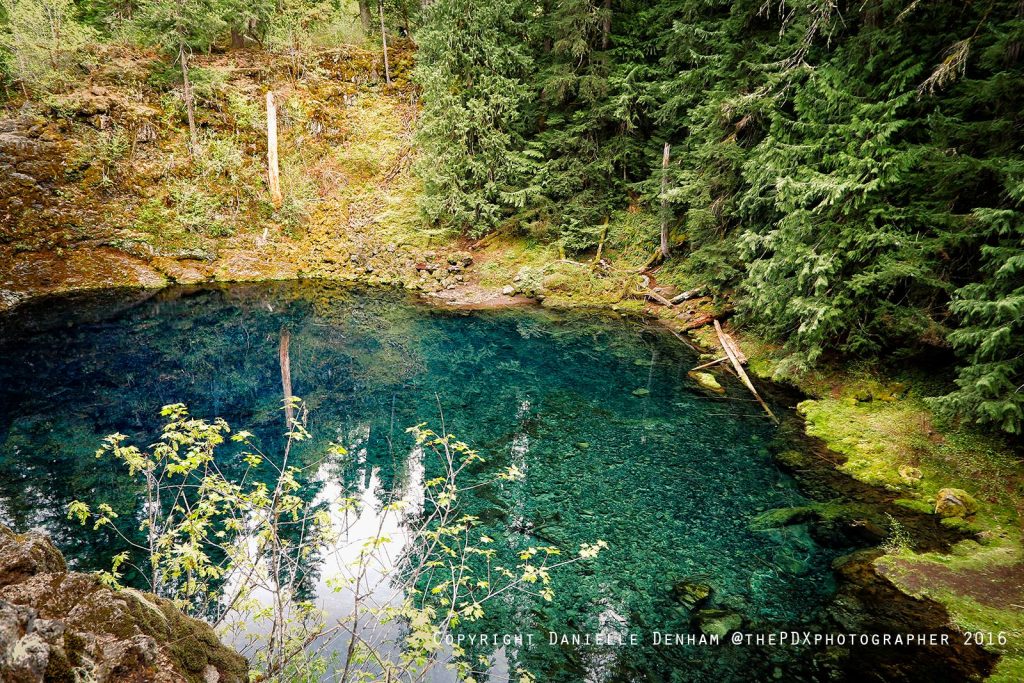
(707,534)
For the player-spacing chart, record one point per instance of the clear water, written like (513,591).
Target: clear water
(618,444)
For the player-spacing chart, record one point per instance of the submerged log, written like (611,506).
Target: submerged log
(286,377)
(729,345)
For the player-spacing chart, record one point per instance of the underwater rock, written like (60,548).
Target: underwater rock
(691,593)
(54,623)
(955,503)
(717,622)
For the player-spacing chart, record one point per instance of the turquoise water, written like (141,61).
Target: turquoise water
(616,441)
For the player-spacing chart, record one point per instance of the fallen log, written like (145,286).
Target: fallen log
(687,295)
(733,346)
(654,296)
(700,321)
(728,344)
(710,363)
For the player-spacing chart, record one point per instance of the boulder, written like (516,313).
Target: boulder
(954,503)
(707,381)
(57,625)
(22,557)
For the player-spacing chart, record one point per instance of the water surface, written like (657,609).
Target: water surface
(616,441)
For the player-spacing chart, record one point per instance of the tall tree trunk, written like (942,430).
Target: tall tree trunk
(606,26)
(189,104)
(384,42)
(664,200)
(273,171)
(364,15)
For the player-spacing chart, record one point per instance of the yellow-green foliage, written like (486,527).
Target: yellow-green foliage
(41,41)
(884,433)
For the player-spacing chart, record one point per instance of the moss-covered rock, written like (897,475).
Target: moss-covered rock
(707,381)
(54,623)
(691,593)
(954,503)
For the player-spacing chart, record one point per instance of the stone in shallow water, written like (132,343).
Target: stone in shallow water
(707,381)
(691,593)
(717,622)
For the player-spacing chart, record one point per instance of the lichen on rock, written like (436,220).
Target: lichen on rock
(57,625)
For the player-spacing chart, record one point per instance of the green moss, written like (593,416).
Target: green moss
(915,505)
(825,511)
(781,517)
(1009,669)
(708,381)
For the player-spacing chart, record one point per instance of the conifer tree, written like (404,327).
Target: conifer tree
(473,66)
(991,383)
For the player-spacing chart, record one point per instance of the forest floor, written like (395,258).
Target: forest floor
(97,189)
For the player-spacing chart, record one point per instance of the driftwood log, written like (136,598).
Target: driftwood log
(734,356)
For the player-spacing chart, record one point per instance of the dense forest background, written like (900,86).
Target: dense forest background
(852,171)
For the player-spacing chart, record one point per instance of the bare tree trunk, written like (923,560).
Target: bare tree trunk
(384,41)
(606,26)
(364,14)
(189,104)
(273,171)
(286,376)
(664,200)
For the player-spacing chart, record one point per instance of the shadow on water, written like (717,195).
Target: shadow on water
(616,441)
